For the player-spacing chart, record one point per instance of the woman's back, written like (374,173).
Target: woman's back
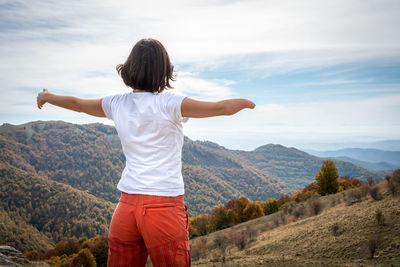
(149,126)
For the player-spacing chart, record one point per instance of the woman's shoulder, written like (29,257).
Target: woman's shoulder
(117,96)
(167,96)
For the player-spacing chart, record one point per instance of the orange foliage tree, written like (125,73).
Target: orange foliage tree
(252,211)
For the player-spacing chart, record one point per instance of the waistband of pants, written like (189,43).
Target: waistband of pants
(139,199)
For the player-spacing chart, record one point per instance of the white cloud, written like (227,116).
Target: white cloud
(293,35)
(73,47)
(209,90)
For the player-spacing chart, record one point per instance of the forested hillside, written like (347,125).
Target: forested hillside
(58,179)
(37,211)
(89,158)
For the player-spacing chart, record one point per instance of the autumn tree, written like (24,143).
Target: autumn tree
(327,178)
(270,206)
(252,211)
(98,246)
(199,225)
(221,218)
(237,206)
(84,259)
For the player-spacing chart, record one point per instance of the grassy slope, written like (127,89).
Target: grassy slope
(310,241)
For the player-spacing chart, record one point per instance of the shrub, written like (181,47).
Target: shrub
(370,181)
(84,258)
(268,226)
(364,189)
(276,220)
(335,229)
(67,247)
(393,182)
(250,233)
(221,242)
(282,217)
(327,178)
(194,253)
(373,244)
(396,176)
(392,187)
(379,217)
(298,211)
(240,240)
(374,193)
(34,255)
(199,248)
(314,206)
(353,196)
(332,202)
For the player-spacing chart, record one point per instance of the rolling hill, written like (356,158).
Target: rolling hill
(60,178)
(89,158)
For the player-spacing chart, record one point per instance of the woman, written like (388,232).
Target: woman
(151,217)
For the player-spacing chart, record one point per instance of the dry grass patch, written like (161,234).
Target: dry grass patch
(339,236)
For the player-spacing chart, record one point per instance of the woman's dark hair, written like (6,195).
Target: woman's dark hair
(148,67)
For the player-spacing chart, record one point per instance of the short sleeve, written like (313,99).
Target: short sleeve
(108,104)
(173,107)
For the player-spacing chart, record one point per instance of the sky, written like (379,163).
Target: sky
(320,72)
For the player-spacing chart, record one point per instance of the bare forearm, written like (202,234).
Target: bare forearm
(68,102)
(202,109)
(232,106)
(89,106)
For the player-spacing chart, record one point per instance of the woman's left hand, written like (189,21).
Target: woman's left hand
(41,98)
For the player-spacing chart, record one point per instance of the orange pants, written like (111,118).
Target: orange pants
(145,225)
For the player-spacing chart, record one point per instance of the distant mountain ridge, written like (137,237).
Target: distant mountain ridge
(372,166)
(383,158)
(387,145)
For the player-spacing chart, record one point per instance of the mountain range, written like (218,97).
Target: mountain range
(372,159)
(58,179)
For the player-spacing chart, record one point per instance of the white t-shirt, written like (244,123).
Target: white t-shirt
(150,129)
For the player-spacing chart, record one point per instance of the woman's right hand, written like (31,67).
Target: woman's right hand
(41,98)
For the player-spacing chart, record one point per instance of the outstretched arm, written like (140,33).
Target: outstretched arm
(191,108)
(88,106)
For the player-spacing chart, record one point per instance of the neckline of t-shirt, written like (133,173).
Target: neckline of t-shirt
(141,92)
